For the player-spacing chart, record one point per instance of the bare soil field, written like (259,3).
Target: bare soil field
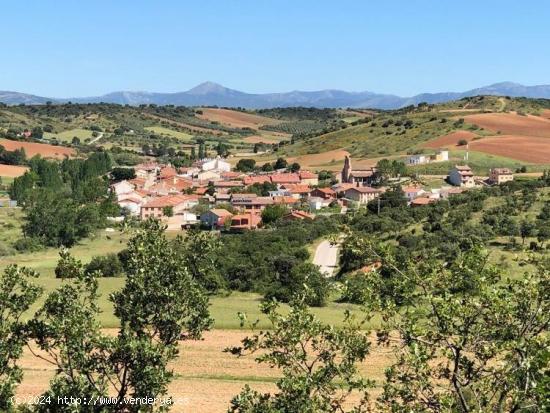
(546,113)
(512,124)
(207,378)
(235,118)
(42,149)
(450,140)
(12,171)
(533,149)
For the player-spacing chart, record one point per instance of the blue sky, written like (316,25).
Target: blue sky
(76,48)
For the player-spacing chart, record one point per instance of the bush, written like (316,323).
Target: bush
(462,142)
(295,279)
(273,213)
(109,265)
(28,244)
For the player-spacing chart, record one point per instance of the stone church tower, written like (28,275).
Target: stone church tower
(346,170)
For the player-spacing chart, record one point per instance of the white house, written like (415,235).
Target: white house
(462,175)
(499,176)
(412,192)
(132,201)
(206,176)
(316,203)
(417,159)
(122,187)
(362,194)
(441,156)
(216,164)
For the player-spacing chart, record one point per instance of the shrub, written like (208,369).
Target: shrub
(28,244)
(109,265)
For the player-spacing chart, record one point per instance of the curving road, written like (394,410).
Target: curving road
(326,257)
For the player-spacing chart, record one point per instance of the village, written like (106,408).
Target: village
(210,194)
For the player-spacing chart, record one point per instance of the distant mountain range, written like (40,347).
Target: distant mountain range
(213,94)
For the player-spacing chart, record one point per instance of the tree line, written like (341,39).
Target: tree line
(63,201)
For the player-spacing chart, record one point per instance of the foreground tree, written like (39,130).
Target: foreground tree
(319,364)
(468,340)
(200,251)
(17,294)
(159,305)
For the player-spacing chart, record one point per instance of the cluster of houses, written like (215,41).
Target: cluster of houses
(463,176)
(164,192)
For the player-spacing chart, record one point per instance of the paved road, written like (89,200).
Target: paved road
(326,257)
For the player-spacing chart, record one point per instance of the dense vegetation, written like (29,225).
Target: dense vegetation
(63,202)
(271,261)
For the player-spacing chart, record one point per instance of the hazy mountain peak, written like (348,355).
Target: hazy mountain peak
(505,84)
(206,88)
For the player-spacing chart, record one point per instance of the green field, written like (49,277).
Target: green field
(10,230)
(5,182)
(160,130)
(480,163)
(68,135)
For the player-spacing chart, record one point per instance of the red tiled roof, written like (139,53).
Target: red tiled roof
(343,186)
(228,184)
(221,212)
(138,181)
(327,191)
(143,192)
(412,189)
(296,188)
(285,178)
(362,174)
(260,179)
(422,201)
(231,175)
(284,200)
(307,175)
(365,189)
(176,184)
(168,200)
(167,172)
